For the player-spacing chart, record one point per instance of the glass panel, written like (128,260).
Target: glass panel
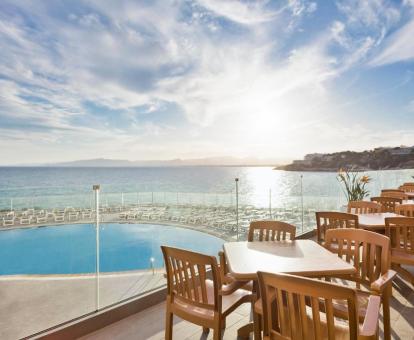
(47,261)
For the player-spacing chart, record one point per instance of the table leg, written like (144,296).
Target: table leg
(244,331)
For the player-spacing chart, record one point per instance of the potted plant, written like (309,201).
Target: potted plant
(353,184)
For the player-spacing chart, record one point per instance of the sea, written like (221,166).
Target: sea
(51,187)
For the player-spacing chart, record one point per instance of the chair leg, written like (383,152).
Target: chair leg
(168,325)
(386,295)
(257,326)
(217,330)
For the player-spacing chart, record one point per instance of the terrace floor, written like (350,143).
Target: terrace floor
(149,324)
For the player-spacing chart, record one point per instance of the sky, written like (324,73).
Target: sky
(165,79)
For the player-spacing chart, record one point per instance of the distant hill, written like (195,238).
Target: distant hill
(213,161)
(378,159)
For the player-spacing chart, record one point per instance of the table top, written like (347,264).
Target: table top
(300,257)
(374,221)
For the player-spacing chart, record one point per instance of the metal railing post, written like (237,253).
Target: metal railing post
(96,188)
(270,203)
(301,198)
(237,207)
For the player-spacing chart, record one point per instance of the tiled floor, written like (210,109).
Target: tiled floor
(149,324)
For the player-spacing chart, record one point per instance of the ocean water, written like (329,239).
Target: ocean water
(25,187)
(71,249)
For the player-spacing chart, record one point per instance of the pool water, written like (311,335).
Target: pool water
(71,249)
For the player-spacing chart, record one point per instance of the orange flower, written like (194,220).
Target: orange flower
(365,179)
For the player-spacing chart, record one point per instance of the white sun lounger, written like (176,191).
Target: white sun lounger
(25,219)
(8,221)
(59,218)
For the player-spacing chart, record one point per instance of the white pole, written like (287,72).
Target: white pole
(96,188)
(237,207)
(301,196)
(11,204)
(122,200)
(270,203)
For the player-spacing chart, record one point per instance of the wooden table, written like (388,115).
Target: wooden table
(374,221)
(300,257)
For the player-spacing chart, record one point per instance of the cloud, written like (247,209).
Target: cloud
(397,47)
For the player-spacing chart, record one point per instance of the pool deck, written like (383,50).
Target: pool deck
(149,324)
(30,303)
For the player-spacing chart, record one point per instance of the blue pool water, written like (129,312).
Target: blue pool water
(70,249)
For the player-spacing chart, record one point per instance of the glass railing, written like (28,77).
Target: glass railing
(68,255)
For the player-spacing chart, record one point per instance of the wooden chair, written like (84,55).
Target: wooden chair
(333,220)
(193,297)
(292,309)
(407,187)
(400,230)
(261,231)
(371,260)
(363,207)
(265,231)
(271,231)
(394,193)
(388,203)
(405,209)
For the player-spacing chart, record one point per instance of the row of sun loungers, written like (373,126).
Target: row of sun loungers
(218,217)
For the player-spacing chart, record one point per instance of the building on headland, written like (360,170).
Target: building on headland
(401,157)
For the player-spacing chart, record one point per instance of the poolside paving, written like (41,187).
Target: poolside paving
(149,324)
(29,304)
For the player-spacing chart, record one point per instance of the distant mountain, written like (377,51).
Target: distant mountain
(382,158)
(212,161)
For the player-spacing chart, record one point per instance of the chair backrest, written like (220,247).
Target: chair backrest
(394,193)
(291,319)
(186,277)
(271,231)
(326,220)
(369,252)
(400,230)
(405,209)
(407,187)
(363,207)
(388,203)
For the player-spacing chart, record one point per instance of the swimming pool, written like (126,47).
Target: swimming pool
(71,249)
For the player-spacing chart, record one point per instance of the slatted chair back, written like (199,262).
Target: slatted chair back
(271,231)
(407,187)
(363,207)
(326,220)
(369,252)
(286,315)
(400,230)
(405,209)
(186,278)
(388,203)
(394,193)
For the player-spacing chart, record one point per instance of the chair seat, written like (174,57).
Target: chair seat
(402,257)
(340,308)
(228,301)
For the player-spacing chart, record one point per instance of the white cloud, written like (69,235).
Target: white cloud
(243,13)
(397,47)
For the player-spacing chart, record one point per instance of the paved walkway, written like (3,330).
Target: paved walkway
(29,304)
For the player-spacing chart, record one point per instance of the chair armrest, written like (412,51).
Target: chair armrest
(383,281)
(370,325)
(230,288)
